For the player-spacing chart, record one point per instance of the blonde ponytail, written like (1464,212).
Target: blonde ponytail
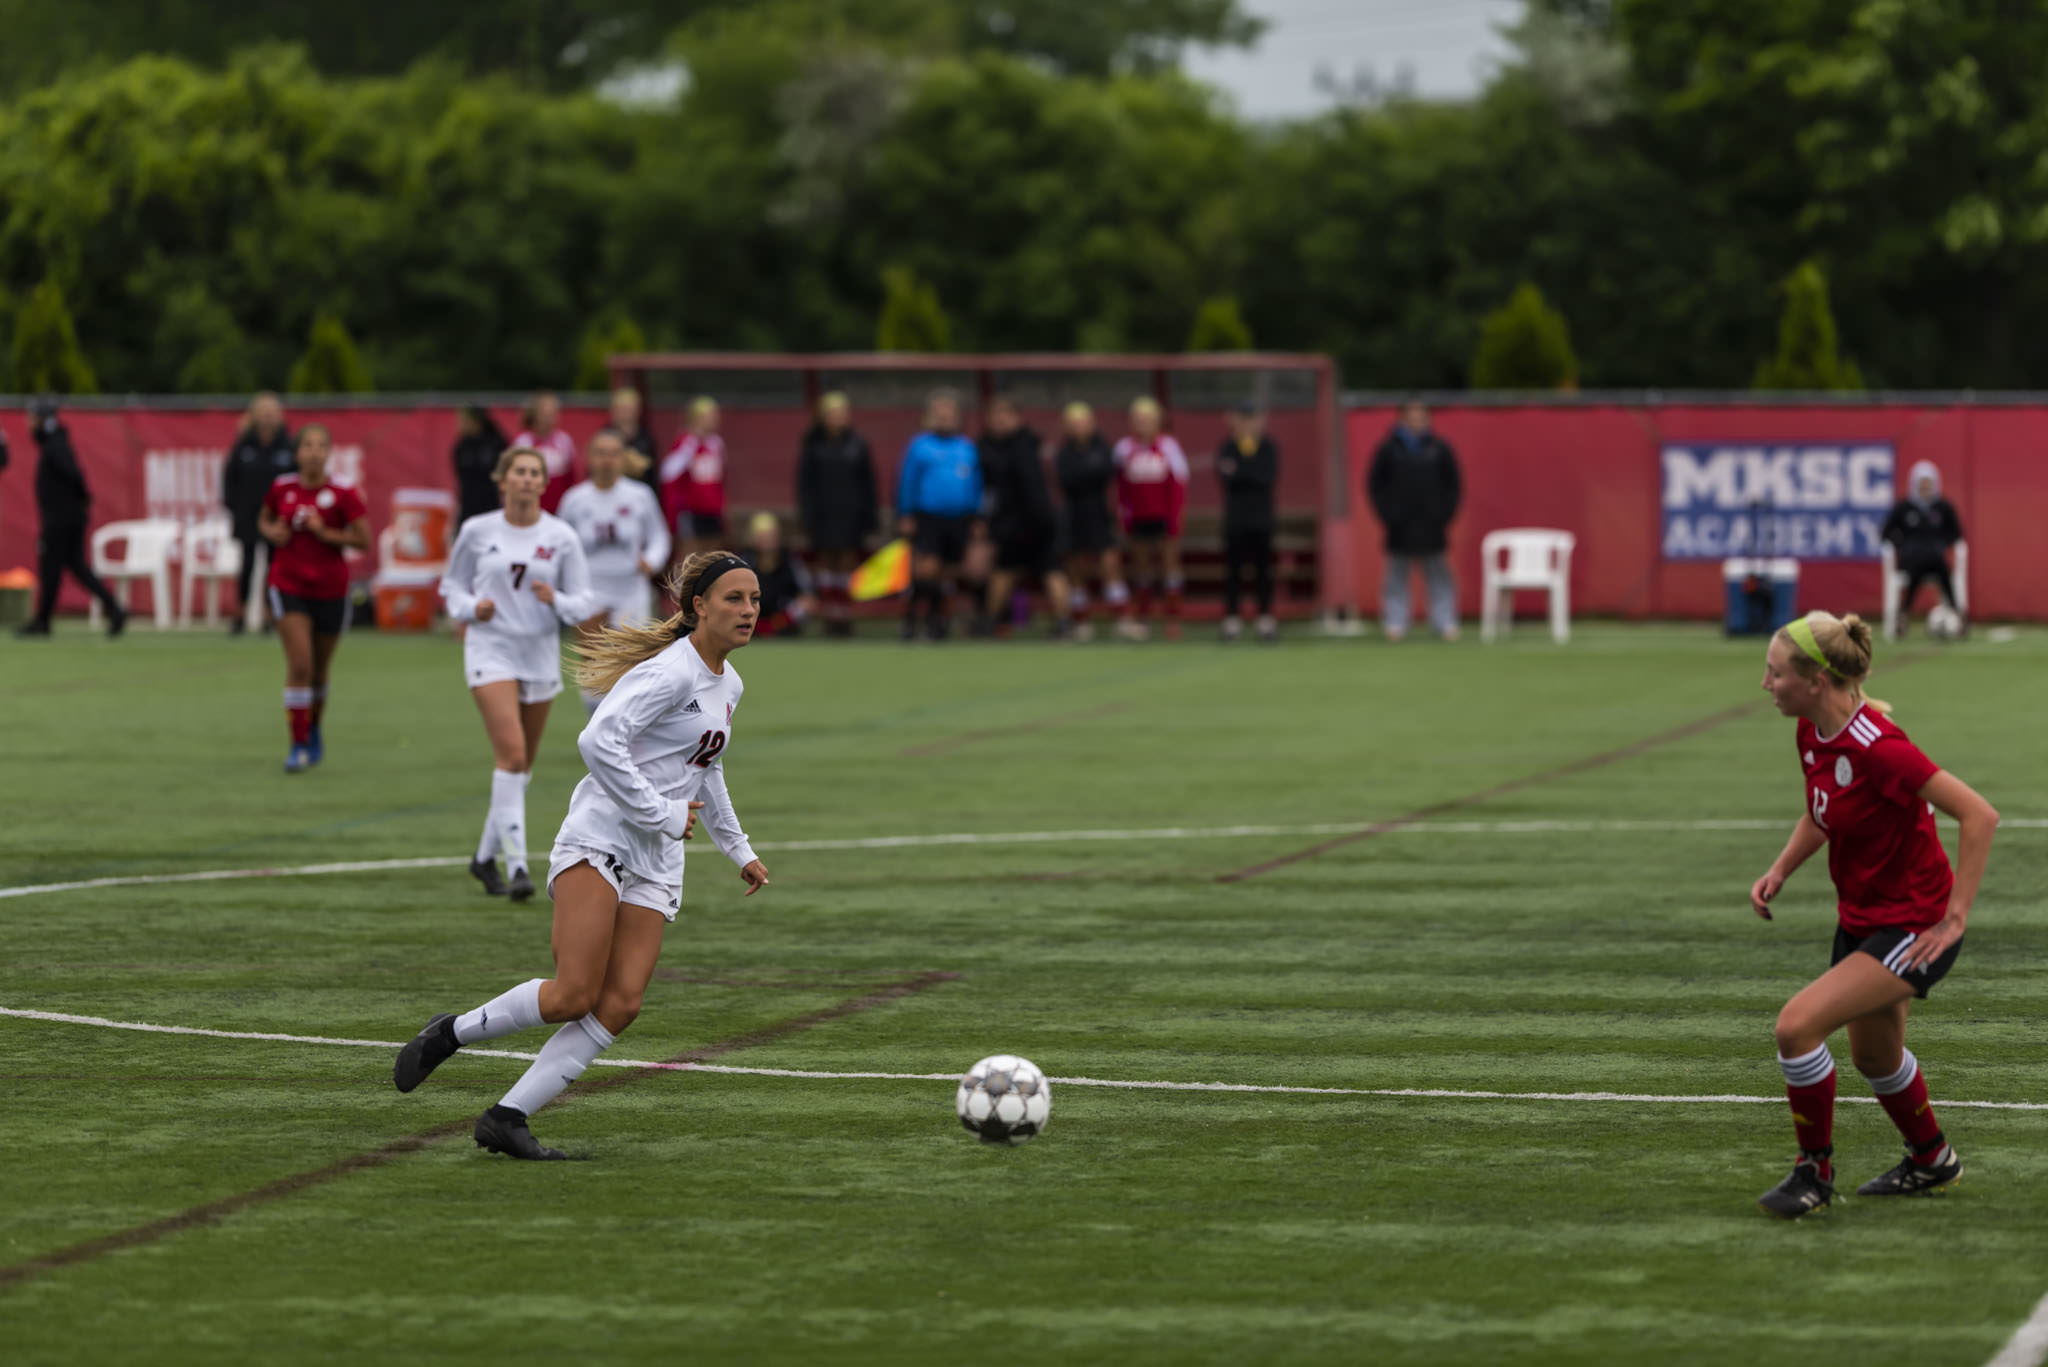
(603,659)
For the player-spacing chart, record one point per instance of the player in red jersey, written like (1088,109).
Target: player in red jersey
(541,429)
(310,522)
(693,481)
(1871,796)
(1152,493)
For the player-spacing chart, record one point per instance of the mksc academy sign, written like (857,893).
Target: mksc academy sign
(1812,501)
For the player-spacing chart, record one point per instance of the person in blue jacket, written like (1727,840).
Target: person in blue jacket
(938,501)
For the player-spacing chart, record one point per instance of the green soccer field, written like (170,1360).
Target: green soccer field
(1373,888)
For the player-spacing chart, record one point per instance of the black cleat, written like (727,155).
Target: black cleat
(521,886)
(485,871)
(433,1046)
(503,1130)
(1917,1179)
(1804,1192)
(117,621)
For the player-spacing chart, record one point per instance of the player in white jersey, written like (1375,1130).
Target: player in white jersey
(625,539)
(656,750)
(516,576)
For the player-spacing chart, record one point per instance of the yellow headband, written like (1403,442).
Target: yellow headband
(1801,632)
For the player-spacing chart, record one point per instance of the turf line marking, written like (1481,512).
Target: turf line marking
(2028,1346)
(213,1211)
(699,1062)
(946,744)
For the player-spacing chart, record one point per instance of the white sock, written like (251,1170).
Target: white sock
(562,1060)
(504,1014)
(508,814)
(1116,593)
(487,843)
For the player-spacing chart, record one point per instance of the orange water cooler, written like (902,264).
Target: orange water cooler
(412,554)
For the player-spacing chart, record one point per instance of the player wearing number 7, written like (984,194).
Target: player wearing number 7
(656,748)
(1871,796)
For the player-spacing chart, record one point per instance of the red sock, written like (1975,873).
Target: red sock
(1173,601)
(1911,1111)
(1813,1103)
(302,724)
(1145,600)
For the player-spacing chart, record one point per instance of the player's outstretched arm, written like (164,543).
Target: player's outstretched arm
(1807,838)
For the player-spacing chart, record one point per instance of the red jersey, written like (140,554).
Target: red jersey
(306,566)
(558,449)
(1862,789)
(693,477)
(1151,481)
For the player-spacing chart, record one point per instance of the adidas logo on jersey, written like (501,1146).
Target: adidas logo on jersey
(692,706)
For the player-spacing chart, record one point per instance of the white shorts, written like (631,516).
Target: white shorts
(493,657)
(627,601)
(666,898)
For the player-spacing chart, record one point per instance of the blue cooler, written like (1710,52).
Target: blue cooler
(1762,595)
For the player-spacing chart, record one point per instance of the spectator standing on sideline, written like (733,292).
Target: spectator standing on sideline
(625,420)
(543,432)
(478,442)
(65,506)
(786,597)
(1414,488)
(1922,527)
(693,482)
(1249,466)
(1021,521)
(1086,467)
(938,498)
(261,454)
(836,502)
(1152,492)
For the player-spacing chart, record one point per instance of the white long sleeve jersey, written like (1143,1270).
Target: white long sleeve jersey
(656,744)
(621,528)
(494,559)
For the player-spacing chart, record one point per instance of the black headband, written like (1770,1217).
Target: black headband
(710,574)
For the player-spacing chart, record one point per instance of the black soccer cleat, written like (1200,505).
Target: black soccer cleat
(485,871)
(433,1046)
(521,886)
(1917,1179)
(1804,1192)
(503,1130)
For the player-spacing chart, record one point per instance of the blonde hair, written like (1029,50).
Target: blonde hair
(512,453)
(604,658)
(1846,643)
(1078,411)
(1148,406)
(703,406)
(833,398)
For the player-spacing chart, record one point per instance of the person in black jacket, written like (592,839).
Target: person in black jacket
(1086,467)
(65,507)
(1249,466)
(478,443)
(1922,527)
(262,451)
(640,454)
(1021,519)
(836,502)
(1415,489)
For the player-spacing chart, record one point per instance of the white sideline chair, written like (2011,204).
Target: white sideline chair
(147,546)
(1895,584)
(1526,558)
(210,554)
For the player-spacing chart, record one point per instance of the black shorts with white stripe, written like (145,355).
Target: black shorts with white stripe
(1889,945)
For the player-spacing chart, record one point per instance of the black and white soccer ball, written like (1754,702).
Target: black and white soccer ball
(1944,623)
(1004,1099)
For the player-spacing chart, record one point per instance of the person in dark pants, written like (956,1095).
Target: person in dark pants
(262,451)
(1249,466)
(1022,521)
(1922,528)
(938,503)
(1086,467)
(1415,489)
(836,503)
(478,443)
(65,506)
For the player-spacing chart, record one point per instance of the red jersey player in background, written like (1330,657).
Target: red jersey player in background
(1152,493)
(542,430)
(693,481)
(311,522)
(1870,799)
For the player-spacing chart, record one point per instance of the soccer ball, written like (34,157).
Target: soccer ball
(1944,623)
(1004,1099)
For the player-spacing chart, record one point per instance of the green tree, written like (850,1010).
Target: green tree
(45,352)
(1219,326)
(1808,352)
(612,335)
(1525,344)
(330,364)
(911,317)
(199,330)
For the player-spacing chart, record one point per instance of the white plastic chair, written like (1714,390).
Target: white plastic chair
(1895,584)
(1526,558)
(209,553)
(147,546)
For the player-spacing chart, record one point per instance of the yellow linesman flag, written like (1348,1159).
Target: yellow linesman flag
(885,572)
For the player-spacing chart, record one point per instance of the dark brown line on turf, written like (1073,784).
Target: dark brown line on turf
(946,743)
(213,1211)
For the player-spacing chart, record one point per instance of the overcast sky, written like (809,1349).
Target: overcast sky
(1446,42)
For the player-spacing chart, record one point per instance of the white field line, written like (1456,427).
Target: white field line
(2028,1346)
(1442,1093)
(894,842)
